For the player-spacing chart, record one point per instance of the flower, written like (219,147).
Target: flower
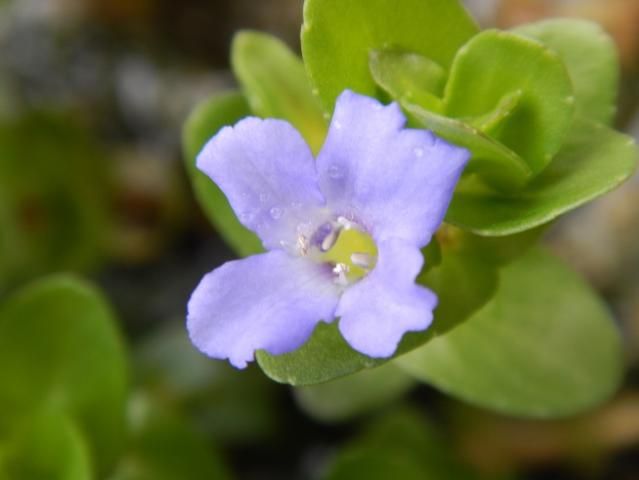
(343,232)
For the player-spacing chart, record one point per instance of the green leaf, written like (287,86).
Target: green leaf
(409,77)
(496,163)
(275,83)
(53,197)
(463,283)
(401,445)
(591,58)
(204,122)
(337,38)
(165,447)
(228,405)
(60,351)
(494,64)
(354,395)
(492,122)
(48,446)
(593,161)
(544,346)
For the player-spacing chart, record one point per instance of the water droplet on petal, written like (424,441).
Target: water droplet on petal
(337,125)
(335,172)
(246,217)
(264,197)
(276,213)
(296,205)
(419,152)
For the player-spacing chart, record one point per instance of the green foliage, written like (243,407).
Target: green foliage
(354,395)
(204,122)
(544,346)
(275,83)
(165,447)
(229,405)
(401,445)
(53,198)
(47,445)
(337,38)
(590,56)
(410,77)
(61,353)
(593,161)
(495,64)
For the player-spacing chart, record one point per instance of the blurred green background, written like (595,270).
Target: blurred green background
(93,95)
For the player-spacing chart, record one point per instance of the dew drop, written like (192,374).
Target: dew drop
(246,217)
(335,172)
(419,152)
(264,197)
(337,125)
(276,213)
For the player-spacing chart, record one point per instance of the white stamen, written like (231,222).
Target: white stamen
(363,260)
(340,270)
(330,240)
(345,223)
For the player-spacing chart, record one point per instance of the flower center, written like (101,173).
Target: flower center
(349,250)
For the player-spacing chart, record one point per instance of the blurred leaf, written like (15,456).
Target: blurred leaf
(48,446)
(463,282)
(53,197)
(591,58)
(492,122)
(337,37)
(494,64)
(274,81)
(410,77)
(60,351)
(544,346)
(165,447)
(400,446)
(593,161)
(203,123)
(354,395)
(229,405)
(491,159)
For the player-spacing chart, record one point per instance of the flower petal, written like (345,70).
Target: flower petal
(377,311)
(270,301)
(397,182)
(267,172)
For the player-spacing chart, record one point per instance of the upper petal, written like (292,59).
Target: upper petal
(267,172)
(397,182)
(270,301)
(377,311)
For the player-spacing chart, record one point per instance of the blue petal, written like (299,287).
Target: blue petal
(270,301)
(397,182)
(267,172)
(377,311)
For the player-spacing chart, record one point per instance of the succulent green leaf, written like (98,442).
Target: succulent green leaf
(409,77)
(354,395)
(204,122)
(590,56)
(594,160)
(275,84)
(164,446)
(401,445)
(338,36)
(494,64)
(60,351)
(544,346)
(496,163)
(47,445)
(53,197)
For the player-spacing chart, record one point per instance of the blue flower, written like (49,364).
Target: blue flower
(343,232)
